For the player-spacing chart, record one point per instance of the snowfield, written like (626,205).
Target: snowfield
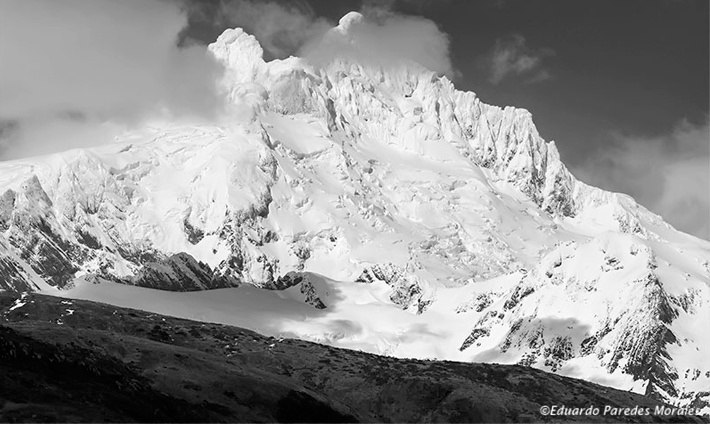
(374,208)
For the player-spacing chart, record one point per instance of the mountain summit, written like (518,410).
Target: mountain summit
(370,205)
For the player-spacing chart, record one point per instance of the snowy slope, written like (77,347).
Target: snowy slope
(391,212)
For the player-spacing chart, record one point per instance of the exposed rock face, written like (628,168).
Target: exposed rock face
(31,232)
(305,285)
(180,272)
(13,276)
(407,290)
(620,315)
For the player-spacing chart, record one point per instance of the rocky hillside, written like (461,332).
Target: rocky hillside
(79,361)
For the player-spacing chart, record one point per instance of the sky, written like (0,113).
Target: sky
(622,87)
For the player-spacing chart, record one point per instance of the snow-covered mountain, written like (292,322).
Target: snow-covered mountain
(383,210)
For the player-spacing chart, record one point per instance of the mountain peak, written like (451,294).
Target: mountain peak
(240,52)
(380,183)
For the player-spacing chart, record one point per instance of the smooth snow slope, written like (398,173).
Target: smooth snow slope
(393,212)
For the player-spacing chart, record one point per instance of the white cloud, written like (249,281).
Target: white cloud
(384,37)
(512,57)
(281,28)
(72,71)
(293,29)
(669,174)
(80,63)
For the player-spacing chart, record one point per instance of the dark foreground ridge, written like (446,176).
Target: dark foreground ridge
(72,361)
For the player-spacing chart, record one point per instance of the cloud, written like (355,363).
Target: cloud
(669,174)
(75,72)
(281,28)
(77,64)
(382,36)
(284,29)
(511,57)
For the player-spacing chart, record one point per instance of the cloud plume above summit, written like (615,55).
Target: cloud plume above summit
(281,28)
(84,68)
(383,36)
(292,28)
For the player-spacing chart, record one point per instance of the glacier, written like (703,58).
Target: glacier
(371,206)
